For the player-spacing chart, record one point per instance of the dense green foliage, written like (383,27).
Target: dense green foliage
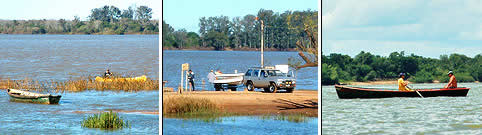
(105,120)
(338,68)
(281,31)
(104,20)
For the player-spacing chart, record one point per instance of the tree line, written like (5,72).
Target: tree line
(103,20)
(282,31)
(339,68)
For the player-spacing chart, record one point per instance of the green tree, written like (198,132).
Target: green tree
(143,14)
(128,14)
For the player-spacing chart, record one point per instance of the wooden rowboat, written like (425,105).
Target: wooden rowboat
(31,97)
(356,92)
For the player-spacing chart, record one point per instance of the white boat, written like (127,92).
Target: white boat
(228,81)
(233,79)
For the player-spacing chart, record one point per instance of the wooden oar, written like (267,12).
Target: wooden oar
(416,91)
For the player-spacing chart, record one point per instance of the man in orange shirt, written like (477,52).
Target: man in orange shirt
(452,82)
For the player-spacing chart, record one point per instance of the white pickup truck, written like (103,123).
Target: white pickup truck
(270,79)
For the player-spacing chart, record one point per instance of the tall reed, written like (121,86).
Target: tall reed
(185,104)
(118,83)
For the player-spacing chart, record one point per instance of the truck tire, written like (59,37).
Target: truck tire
(266,90)
(233,89)
(217,87)
(250,86)
(272,88)
(290,90)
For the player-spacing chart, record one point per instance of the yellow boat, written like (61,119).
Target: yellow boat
(102,79)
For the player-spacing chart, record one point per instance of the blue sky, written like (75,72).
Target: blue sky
(186,13)
(424,27)
(66,9)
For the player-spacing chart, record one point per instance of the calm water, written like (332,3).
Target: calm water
(66,117)
(434,115)
(60,57)
(244,125)
(201,62)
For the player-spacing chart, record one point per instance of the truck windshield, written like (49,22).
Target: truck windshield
(256,72)
(248,73)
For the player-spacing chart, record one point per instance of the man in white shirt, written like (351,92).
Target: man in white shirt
(211,78)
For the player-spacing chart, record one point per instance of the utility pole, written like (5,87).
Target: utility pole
(262,44)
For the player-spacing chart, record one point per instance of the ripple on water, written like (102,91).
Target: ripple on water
(434,115)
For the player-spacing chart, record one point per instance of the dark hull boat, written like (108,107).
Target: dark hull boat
(356,92)
(31,97)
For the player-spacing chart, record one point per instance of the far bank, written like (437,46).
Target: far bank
(229,49)
(387,82)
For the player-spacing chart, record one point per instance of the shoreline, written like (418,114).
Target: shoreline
(303,102)
(229,49)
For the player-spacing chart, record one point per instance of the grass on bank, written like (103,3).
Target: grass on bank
(81,84)
(186,107)
(192,108)
(106,120)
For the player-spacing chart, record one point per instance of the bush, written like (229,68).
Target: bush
(371,76)
(461,77)
(105,120)
(464,77)
(422,77)
(329,75)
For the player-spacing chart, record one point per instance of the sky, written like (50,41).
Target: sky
(427,28)
(67,9)
(186,13)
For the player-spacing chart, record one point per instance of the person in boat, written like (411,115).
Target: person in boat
(211,78)
(452,82)
(107,73)
(402,84)
(190,78)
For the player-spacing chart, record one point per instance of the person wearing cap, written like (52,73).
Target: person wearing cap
(190,78)
(402,84)
(107,73)
(452,82)
(211,78)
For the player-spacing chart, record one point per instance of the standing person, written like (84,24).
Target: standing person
(402,85)
(190,77)
(211,78)
(452,82)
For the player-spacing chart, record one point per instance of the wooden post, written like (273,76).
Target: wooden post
(203,84)
(185,67)
(187,87)
(262,44)
(182,78)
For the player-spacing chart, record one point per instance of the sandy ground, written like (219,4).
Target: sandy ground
(260,103)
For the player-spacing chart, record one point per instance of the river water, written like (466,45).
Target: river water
(434,115)
(241,125)
(60,57)
(201,62)
(65,118)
